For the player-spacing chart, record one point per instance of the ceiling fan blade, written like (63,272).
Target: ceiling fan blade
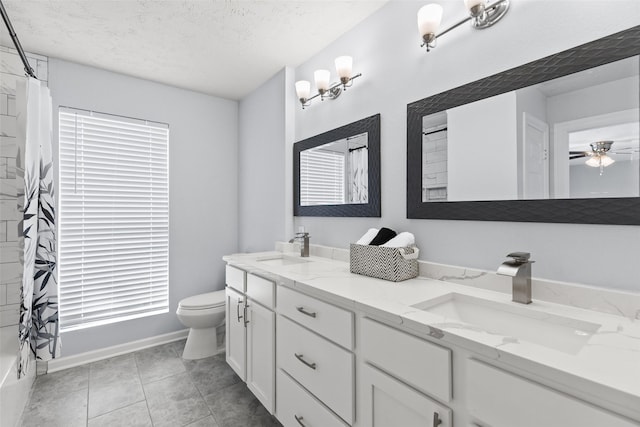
(577,156)
(571,153)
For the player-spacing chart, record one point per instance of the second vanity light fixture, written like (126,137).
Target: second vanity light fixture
(344,65)
(481,14)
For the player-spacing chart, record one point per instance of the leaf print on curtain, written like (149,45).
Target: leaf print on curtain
(38,327)
(359,175)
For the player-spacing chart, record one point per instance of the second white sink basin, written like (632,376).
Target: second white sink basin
(511,320)
(281,260)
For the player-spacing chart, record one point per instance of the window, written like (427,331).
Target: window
(321,177)
(113,218)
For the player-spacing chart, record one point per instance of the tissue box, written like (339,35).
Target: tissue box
(394,264)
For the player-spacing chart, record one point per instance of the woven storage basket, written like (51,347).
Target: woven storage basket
(394,264)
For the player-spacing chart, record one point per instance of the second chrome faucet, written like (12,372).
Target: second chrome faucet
(519,268)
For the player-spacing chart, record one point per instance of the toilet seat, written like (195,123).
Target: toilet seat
(203,301)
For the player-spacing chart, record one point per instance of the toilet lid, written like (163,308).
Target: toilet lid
(208,300)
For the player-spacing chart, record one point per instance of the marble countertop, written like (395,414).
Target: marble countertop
(609,357)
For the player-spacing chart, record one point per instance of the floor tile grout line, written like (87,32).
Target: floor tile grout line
(199,393)
(144,393)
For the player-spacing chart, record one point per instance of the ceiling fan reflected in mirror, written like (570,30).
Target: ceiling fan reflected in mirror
(598,157)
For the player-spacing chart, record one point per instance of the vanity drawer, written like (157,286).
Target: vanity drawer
(325,319)
(261,290)
(417,362)
(501,399)
(235,278)
(320,366)
(295,403)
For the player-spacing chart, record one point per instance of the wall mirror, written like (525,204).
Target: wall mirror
(337,173)
(554,140)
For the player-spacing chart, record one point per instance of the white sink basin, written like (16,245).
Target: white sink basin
(281,260)
(511,320)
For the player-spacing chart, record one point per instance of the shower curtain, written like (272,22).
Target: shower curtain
(359,172)
(38,325)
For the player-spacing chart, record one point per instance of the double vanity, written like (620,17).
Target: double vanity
(320,346)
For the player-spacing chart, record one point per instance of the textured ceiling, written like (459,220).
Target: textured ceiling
(225,48)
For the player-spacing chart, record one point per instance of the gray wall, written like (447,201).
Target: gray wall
(261,146)
(203,186)
(396,71)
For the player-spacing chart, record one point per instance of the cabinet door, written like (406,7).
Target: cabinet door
(236,333)
(390,403)
(261,353)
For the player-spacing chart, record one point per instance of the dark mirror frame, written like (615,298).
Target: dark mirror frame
(371,125)
(624,211)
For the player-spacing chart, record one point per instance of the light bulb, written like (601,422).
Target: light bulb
(322,80)
(472,3)
(343,67)
(303,89)
(429,18)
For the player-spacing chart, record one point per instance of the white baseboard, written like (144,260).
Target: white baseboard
(116,350)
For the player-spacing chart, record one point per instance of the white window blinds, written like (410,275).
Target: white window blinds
(113,218)
(322,178)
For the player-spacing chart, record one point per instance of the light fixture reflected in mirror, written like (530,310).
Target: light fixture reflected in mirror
(599,157)
(322,78)
(481,14)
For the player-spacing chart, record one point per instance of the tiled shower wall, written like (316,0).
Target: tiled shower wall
(11,70)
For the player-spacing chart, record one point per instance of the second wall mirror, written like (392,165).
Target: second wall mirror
(554,140)
(337,173)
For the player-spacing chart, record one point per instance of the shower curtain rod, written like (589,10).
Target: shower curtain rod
(16,42)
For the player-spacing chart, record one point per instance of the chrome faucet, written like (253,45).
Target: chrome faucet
(304,247)
(520,269)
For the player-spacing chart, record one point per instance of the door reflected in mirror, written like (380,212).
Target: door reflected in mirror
(335,173)
(573,137)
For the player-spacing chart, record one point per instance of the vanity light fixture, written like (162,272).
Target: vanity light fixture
(322,79)
(481,14)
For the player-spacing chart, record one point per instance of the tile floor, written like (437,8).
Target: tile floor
(151,387)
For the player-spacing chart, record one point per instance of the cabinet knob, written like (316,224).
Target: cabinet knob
(300,357)
(436,419)
(299,420)
(308,313)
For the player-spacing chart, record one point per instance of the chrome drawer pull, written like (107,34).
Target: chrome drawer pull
(436,420)
(300,357)
(308,313)
(238,309)
(246,317)
(299,420)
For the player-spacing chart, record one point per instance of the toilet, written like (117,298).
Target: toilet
(202,314)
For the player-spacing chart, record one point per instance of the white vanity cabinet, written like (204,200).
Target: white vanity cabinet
(250,342)
(500,399)
(315,359)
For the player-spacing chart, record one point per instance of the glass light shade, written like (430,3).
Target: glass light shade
(472,3)
(344,65)
(606,160)
(600,160)
(322,79)
(594,162)
(303,89)
(429,18)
